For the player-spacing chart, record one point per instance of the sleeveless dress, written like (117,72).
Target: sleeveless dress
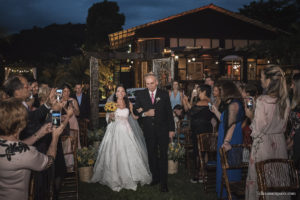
(175,100)
(237,138)
(122,157)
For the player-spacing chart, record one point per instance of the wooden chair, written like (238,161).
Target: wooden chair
(276,176)
(34,185)
(234,159)
(31,187)
(185,129)
(70,182)
(207,147)
(83,132)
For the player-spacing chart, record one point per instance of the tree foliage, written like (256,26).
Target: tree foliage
(283,14)
(278,13)
(75,71)
(103,18)
(43,45)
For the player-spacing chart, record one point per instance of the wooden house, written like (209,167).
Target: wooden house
(191,45)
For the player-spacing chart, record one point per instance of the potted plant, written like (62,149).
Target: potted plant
(95,137)
(86,157)
(175,152)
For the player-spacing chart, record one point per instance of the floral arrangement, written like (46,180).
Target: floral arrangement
(86,156)
(176,151)
(95,135)
(110,106)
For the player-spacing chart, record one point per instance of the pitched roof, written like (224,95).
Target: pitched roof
(125,36)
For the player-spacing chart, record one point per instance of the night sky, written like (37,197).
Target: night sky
(16,15)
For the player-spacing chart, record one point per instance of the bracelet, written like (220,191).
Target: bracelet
(227,141)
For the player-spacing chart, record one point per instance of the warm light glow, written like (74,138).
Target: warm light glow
(193,59)
(176,57)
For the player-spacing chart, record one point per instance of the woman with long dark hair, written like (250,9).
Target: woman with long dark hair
(122,160)
(230,128)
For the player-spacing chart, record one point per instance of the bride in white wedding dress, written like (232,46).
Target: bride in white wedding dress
(122,157)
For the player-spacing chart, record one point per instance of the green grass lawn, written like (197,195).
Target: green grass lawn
(179,185)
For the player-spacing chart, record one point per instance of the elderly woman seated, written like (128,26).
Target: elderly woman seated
(17,157)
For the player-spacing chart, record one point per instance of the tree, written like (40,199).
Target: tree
(103,18)
(283,14)
(278,13)
(77,71)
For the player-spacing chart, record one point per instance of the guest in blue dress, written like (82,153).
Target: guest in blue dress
(230,130)
(175,95)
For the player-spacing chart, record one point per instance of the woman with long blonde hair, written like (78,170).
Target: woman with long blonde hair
(268,125)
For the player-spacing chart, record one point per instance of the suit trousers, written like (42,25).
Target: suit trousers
(157,142)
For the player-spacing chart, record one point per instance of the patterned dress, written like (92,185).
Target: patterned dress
(268,140)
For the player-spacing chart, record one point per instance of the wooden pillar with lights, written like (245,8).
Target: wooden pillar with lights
(94,92)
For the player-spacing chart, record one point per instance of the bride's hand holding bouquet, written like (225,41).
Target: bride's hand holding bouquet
(111,107)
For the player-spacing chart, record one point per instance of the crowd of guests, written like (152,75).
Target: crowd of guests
(29,141)
(265,116)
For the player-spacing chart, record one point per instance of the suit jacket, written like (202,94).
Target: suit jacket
(84,107)
(163,119)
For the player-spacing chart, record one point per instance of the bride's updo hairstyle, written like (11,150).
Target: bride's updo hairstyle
(125,97)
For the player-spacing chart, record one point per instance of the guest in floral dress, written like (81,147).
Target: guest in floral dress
(268,125)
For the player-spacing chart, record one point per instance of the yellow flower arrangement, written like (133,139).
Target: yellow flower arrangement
(110,106)
(175,151)
(91,162)
(86,156)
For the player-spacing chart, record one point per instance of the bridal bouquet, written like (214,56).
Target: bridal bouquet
(110,106)
(86,156)
(175,151)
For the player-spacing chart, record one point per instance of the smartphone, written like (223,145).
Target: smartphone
(250,102)
(56,117)
(58,94)
(195,91)
(209,105)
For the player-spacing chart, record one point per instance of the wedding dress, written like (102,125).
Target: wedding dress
(122,157)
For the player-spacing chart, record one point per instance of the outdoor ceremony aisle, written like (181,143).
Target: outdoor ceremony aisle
(180,188)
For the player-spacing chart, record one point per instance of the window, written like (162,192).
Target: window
(204,43)
(186,42)
(173,42)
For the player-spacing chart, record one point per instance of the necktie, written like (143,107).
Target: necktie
(152,97)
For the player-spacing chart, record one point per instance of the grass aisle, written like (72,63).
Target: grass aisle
(179,185)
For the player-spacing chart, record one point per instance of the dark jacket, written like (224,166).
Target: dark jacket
(84,107)
(163,119)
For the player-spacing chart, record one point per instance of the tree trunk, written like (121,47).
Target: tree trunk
(94,92)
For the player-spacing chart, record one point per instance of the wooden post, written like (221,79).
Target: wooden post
(94,92)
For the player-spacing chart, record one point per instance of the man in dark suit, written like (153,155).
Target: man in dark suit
(83,101)
(153,105)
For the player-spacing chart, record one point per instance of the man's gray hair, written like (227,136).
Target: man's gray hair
(149,75)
